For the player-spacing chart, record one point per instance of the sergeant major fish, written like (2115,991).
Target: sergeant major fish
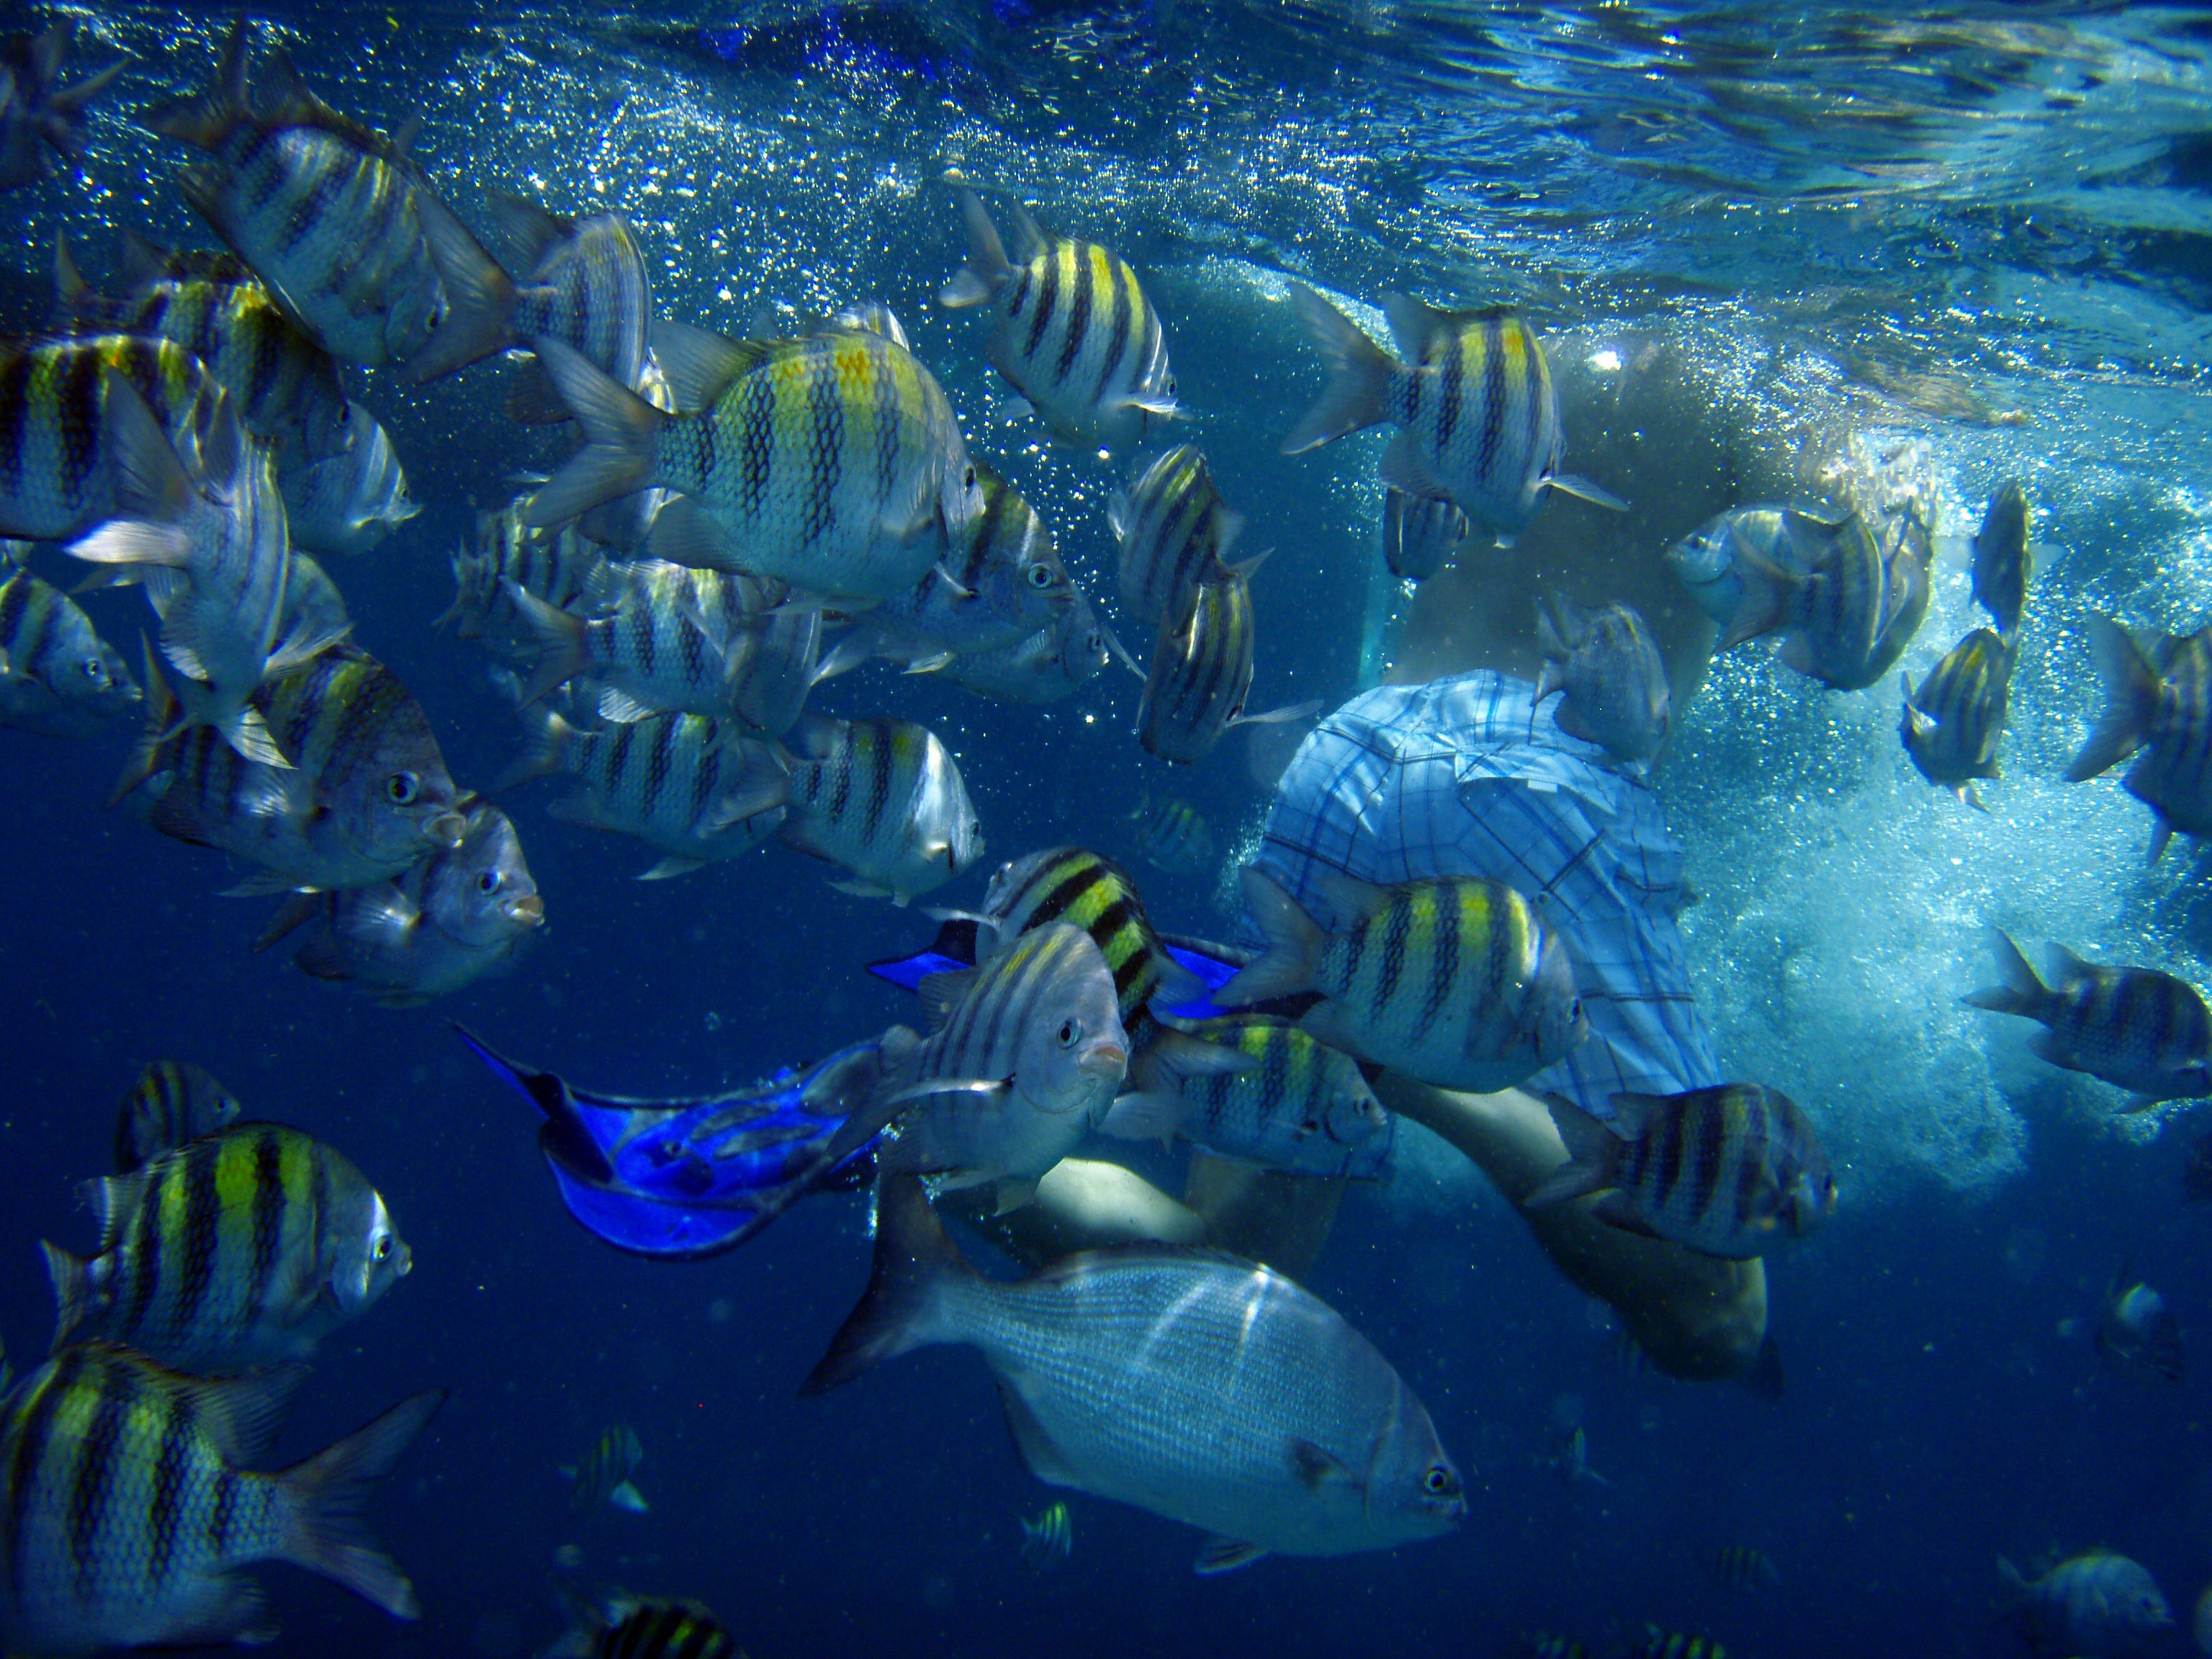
(348,502)
(1052,663)
(623,1627)
(1742,1566)
(1199,674)
(882,799)
(2095,1603)
(233,1251)
(1478,419)
(603,1475)
(2158,701)
(1075,335)
(1420,533)
(566,570)
(1175,533)
(1613,681)
(1048,1541)
(1271,1424)
(1849,608)
(128,1512)
(2002,560)
(58,678)
(2143,1030)
(1173,836)
(173,1101)
(1954,722)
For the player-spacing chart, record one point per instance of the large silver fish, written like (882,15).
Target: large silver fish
(1051,664)
(1203,1388)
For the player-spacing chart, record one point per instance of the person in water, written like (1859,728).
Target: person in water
(1453,766)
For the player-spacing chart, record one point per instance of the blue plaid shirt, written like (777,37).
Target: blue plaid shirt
(1468,776)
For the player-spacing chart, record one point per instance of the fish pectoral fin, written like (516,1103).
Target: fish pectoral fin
(1317,1468)
(627,1497)
(1015,1191)
(1044,1459)
(1595,495)
(868,890)
(1219,1555)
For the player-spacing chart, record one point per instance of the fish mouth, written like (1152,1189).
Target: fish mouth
(447,829)
(529,909)
(1106,1060)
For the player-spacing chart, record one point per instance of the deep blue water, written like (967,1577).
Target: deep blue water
(2009,200)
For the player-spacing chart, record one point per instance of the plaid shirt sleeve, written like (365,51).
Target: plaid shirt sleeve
(1468,776)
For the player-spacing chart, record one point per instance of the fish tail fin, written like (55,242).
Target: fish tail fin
(163,717)
(975,282)
(542,756)
(479,302)
(1295,942)
(321,1503)
(562,652)
(2023,991)
(2132,686)
(622,436)
(73,1291)
(1359,375)
(915,1257)
(206,117)
(2015,1590)
(1592,1151)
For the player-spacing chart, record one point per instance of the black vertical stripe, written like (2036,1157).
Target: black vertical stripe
(172,1470)
(268,1207)
(1124,282)
(222,1513)
(14,417)
(1047,300)
(199,1237)
(1664,1131)
(139,1243)
(98,1454)
(1078,318)
(824,455)
(79,394)
(1707,1114)
(1493,400)
(756,418)
(1397,931)
(28,1478)
(1452,389)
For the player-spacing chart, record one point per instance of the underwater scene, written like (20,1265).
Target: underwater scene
(1306,827)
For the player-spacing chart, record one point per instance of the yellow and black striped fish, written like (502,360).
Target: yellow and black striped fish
(1176,532)
(603,1476)
(1659,1643)
(566,569)
(1174,836)
(885,800)
(1478,418)
(1048,1541)
(1199,673)
(629,1627)
(2002,560)
(1420,533)
(1072,883)
(1543,1644)
(237,1249)
(1729,1171)
(125,1512)
(1954,722)
(1075,334)
(57,677)
(1741,1566)
(173,1101)
(1298,1105)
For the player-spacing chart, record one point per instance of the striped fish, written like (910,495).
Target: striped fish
(603,1475)
(1024,1056)
(1048,1541)
(1199,672)
(884,800)
(331,216)
(2158,700)
(1659,1643)
(566,570)
(1954,722)
(1452,981)
(1726,1170)
(1741,1566)
(140,263)
(1614,680)
(831,462)
(57,677)
(1478,419)
(1420,533)
(366,795)
(42,121)
(1050,665)
(1176,532)
(124,1513)
(2002,560)
(234,1250)
(1074,885)
(1730,592)
(1836,606)
(2144,1030)
(173,1101)
(1299,1106)
(461,913)
(695,790)
(1074,333)
(1173,836)
(628,1627)
(347,502)
(585,285)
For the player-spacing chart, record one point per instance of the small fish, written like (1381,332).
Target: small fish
(1478,419)
(633,1627)
(1733,593)
(42,121)
(1741,1566)
(348,502)
(1614,680)
(2138,1333)
(331,216)
(1544,1645)
(1051,664)
(854,505)
(1954,722)
(1453,982)
(130,1514)
(1420,533)
(1848,609)
(1726,1170)
(1074,334)
(368,793)
(2143,1030)
(2157,701)
(1299,1106)
(566,570)
(1175,533)
(1048,1541)
(2001,561)
(237,1249)
(460,914)
(1271,1423)
(1195,684)
(1024,1055)
(2096,1602)
(695,790)
(173,1101)
(884,800)
(603,1476)
(1659,1643)
(58,678)
(1173,836)
(1569,1456)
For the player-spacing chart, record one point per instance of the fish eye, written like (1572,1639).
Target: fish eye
(402,788)
(1069,1031)
(1040,575)
(384,1247)
(968,479)
(1438,1481)
(490,882)
(95,670)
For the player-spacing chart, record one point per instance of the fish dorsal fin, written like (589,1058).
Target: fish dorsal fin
(1352,900)
(113,1198)
(700,364)
(940,995)
(1031,239)
(242,1414)
(1219,1555)
(2068,965)
(1633,1112)
(1412,322)
(523,229)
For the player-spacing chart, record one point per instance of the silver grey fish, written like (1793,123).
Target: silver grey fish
(1954,722)
(603,1476)
(885,800)
(2158,700)
(1050,665)
(1609,668)
(1176,532)
(2143,1030)
(2095,1603)
(173,1101)
(2001,561)
(1201,1387)
(1199,672)
(1420,533)
(347,502)
(57,677)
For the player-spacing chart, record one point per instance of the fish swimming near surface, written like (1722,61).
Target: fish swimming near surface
(621,1627)
(58,678)
(1175,533)
(2097,1602)
(1199,676)
(1742,1566)
(1421,534)
(237,1249)
(173,1101)
(1613,680)
(42,121)
(1271,1423)
(1478,419)
(1046,1541)
(1173,836)
(885,800)
(1074,334)
(130,1510)
(1729,1171)
(1954,722)
(2158,707)
(347,502)
(2138,1333)
(2002,562)
(1847,606)
(603,1476)
(1453,982)
(2144,1030)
